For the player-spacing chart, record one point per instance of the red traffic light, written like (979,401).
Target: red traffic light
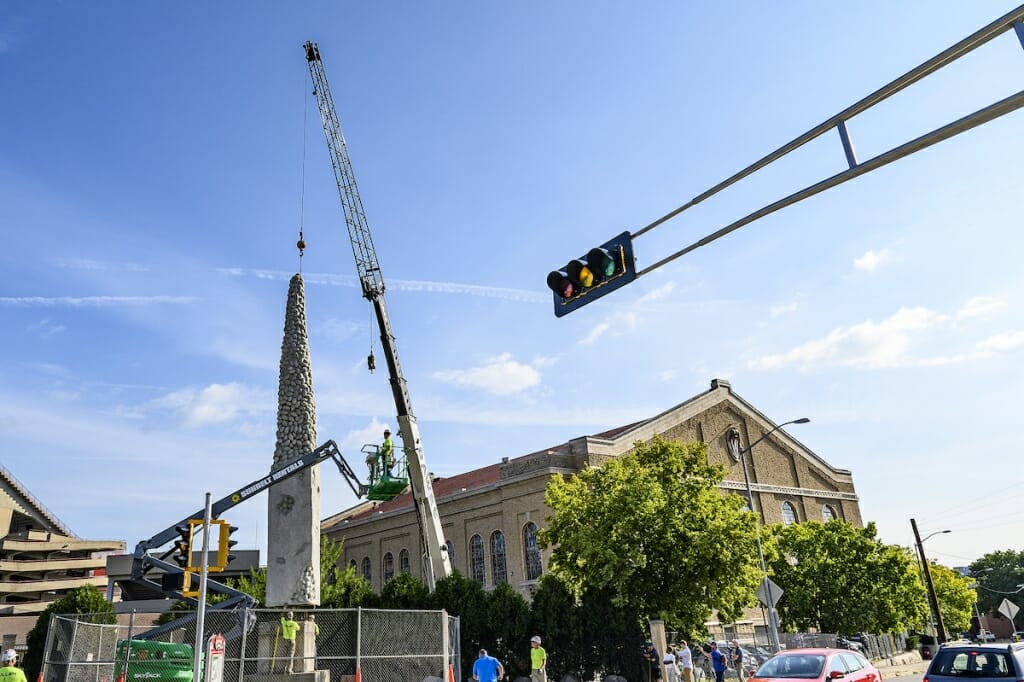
(558,282)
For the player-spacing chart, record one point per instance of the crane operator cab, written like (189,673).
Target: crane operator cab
(388,474)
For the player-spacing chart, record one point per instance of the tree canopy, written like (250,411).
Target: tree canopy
(956,599)
(86,599)
(842,579)
(998,575)
(653,530)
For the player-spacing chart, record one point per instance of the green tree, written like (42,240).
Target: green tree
(653,530)
(405,591)
(956,599)
(838,578)
(81,600)
(998,574)
(507,638)
(465,598)
(555,615)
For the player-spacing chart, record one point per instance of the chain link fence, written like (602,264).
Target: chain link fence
(343,645)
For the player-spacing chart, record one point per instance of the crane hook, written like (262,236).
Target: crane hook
(371,362)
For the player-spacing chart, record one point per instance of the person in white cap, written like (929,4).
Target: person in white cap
(10,672)
(538,661)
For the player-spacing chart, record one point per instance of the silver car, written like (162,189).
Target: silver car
(979,662)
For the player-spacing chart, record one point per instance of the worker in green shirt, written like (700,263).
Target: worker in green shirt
(538,661)
(10,672)
(387,453)
(289,628)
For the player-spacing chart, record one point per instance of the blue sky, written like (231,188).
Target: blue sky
(151,188)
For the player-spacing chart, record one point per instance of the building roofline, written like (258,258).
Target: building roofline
(34,501)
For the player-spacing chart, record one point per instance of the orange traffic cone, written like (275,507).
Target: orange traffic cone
(120,678)
(359,674)
(451,674)
(40,678)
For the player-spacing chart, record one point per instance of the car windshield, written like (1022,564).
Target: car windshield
(971,663)
(796,666)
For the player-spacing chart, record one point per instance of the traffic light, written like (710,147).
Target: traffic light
(190,584)
(601,271)
(224,544)
(183,545)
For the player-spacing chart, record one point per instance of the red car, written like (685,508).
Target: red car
(822,665)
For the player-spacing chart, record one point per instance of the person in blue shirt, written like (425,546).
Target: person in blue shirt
(487,668)
(717,662)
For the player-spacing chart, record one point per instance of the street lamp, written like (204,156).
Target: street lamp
(933,601)
(733,443)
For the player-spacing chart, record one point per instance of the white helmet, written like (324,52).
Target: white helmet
(9,655)
(535,638)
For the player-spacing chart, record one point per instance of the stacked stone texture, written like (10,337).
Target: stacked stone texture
(296,407)
(293,505)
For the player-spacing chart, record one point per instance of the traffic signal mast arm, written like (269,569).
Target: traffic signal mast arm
(1012,20)
(436,562)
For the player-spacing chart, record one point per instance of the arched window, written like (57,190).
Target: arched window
(403,561)
(352,564)
(451,552)
(476,560)
(498,558)
(389,567)
(531,551)
(788,514)
(367,569)
(828,513)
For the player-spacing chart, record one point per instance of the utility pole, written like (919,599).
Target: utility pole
(940,630)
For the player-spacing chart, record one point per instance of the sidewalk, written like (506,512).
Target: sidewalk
(908,663)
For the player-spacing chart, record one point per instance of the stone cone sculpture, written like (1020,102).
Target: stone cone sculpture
(293,505)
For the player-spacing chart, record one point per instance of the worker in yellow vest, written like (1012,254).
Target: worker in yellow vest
(10,672)
(289,628)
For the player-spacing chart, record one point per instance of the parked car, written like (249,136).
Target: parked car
(823,665)
(985,636)
(849,643)
(980,662)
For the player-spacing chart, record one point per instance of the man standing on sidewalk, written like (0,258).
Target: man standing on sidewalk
(717,662)
(538,661)
(487,668)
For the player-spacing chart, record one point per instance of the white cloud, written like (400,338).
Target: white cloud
(46,328)
(215,404)
(782,309)
(657,294)
(871,260)
(596,333)
(865,345)
(91,301)
(980,306)
(1002,342)
(500,375)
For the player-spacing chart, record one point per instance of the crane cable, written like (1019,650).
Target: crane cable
(301,244)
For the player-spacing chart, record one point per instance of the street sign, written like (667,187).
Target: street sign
(1008,608)
(768,588)
(214,659)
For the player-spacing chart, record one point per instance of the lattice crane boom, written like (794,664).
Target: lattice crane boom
(436,562)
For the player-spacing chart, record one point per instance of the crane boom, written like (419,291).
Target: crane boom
(436,563)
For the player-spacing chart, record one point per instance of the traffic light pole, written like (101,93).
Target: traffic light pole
(197,654)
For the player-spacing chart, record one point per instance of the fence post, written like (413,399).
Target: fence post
(46,648)
(246,612)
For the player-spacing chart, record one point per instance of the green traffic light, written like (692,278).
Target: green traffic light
(601,262)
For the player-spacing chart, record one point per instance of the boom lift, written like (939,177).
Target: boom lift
(436,563)
(176,580)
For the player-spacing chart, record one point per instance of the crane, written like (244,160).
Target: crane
(436,563)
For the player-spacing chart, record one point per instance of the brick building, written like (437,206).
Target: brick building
(490,515)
